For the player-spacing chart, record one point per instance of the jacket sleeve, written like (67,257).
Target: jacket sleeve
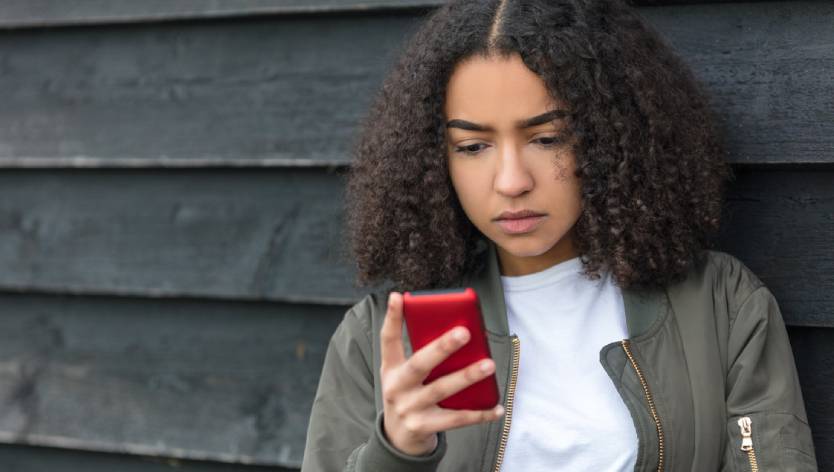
(763,386)
(345,431)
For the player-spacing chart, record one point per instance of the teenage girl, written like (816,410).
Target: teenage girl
(558,157)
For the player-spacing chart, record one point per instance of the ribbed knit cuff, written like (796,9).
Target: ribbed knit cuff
(380,455)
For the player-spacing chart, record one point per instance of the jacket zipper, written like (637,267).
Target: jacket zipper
(650,400)
(508,408)
(745,423)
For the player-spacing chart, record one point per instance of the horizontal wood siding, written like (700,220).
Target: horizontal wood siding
(51,13)
(236,234)
(172,250)
(278,235)
(221,381)
(288,91)
(16,458)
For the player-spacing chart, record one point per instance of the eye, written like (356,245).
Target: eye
(469,150)
(549,141)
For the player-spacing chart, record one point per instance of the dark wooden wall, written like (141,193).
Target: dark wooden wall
(171,259)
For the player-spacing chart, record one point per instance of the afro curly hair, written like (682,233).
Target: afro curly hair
(649,155)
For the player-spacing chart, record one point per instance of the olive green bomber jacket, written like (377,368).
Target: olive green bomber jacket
(707,374)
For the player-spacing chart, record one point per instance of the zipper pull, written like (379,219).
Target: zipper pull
(745,423)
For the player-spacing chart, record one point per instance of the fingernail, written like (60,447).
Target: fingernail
(459,334)
(499,410)
(486,367)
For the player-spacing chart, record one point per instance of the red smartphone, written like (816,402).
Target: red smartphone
(431,313)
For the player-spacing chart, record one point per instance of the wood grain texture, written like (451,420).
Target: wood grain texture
(50,13)
(258,90)
(287,91)
(227,382)
(278,235)
(17,458)
(781,224)
(44,13)
(188,379)
(769,70)
(242,234)
(814,357)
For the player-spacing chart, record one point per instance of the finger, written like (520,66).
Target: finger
(453,383)
(421,363)
(391,341)
(444,420)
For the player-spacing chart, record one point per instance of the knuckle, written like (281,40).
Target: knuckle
(460,420)
(389,392)
(438,392)
(473,417)
(414,425)
(448,344)
(399,411)
(414,369)
(473,374)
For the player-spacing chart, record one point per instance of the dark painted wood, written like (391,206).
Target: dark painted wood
(17,458)
(40,13)
(781,224)
(286,92)
(290,91)
(768,68)
(239,234)
(220,381)
(277,235)
(43,13)
(814,353)
(191,379)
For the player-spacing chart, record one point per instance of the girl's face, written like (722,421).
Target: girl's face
(506,155)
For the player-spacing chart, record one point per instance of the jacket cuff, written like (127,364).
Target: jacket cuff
(379,454)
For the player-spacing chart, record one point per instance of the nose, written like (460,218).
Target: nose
(512,177)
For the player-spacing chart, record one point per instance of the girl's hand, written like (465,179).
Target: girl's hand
(411,416)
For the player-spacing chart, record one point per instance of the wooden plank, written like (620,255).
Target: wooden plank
(16,458)
(768,68)
(227,382)
(43,13)
(781,224)
(814,357)
(239,234)
(277,235)
(279,91)
(216,93)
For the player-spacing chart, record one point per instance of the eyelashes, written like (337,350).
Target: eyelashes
(546,142)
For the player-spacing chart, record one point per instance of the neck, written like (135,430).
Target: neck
(512,265)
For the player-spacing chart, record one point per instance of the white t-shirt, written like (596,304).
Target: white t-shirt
(567,413)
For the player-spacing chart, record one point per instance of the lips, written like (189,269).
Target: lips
(519,222)
(512,215)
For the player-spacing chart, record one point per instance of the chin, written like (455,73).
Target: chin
(524,246)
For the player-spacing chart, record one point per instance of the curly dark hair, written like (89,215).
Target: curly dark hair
(648,152)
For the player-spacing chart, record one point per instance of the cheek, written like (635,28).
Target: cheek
(470,192)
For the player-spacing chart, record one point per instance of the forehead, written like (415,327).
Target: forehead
(495,90)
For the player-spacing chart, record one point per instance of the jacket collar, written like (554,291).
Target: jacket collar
(642,306)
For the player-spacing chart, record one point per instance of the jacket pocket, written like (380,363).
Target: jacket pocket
(763,442)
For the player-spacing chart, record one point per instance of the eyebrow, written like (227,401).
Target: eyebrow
(528,123)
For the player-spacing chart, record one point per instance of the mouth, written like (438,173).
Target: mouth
(519,222)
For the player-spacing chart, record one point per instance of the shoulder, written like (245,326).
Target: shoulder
(365,316)
(730,274)
(723,278)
